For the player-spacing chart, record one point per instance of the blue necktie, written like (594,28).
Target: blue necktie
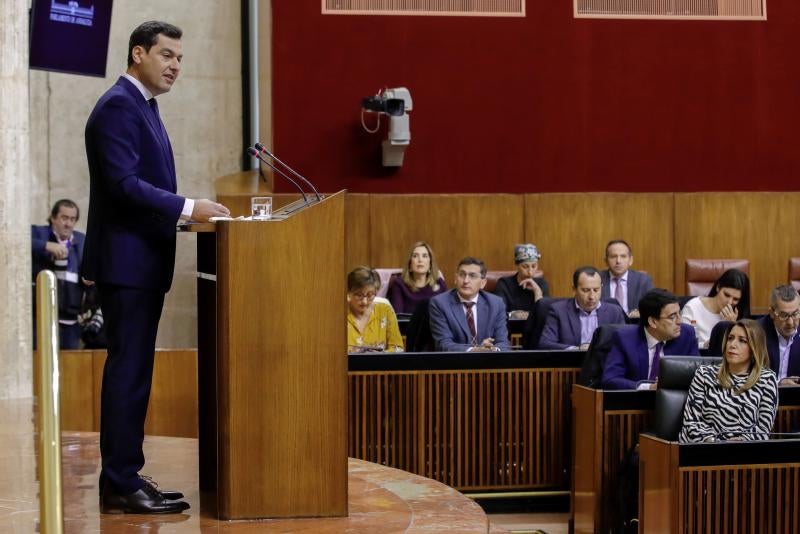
(656,360)
(154,109)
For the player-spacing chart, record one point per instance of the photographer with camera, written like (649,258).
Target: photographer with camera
(58,247)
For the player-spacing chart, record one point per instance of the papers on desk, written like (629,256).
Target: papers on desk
(240,218)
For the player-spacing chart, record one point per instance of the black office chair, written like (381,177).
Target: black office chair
(675,375)
(418,334)
(592,371)
(535,323)
(716,339)
(683,299)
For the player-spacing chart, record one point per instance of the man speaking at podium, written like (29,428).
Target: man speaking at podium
(130,254)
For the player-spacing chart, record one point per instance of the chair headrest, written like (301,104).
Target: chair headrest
(677,372)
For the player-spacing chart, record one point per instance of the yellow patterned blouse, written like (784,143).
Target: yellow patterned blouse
(380,333)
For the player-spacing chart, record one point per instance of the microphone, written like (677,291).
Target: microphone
(262,148)
(256,154)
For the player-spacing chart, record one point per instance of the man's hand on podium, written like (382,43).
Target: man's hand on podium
(205,209)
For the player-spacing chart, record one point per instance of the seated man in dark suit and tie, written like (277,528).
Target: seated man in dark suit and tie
(467,318)
(571,323)
(59,248)
(632,362)
(780,327)
(620,281)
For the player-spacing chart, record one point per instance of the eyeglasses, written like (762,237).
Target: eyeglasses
(362,296)
(783,316)
(673,317)
(471,276)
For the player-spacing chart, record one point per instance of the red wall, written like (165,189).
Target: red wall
(542,103)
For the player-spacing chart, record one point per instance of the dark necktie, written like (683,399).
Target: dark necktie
(656,359)
(471,322)
(154,109)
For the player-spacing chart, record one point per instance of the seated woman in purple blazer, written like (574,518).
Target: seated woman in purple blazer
(418,282)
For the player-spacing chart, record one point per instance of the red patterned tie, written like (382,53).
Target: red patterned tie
(471,322)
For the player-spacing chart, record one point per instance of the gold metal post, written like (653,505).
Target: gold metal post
(51,505)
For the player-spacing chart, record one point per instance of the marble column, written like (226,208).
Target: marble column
(15,178)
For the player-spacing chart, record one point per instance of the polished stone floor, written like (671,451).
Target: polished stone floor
(381,500)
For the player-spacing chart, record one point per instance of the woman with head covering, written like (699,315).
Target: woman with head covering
(728,300)
(521,291)
(371,322)
(418,282)
(737,399)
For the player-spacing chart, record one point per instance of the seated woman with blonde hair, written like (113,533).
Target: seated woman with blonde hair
(737,399)
(371,322)
(418,282)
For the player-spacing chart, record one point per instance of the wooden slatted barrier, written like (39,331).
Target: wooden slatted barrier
(505,427)
(734,487)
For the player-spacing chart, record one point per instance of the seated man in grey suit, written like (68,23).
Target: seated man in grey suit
(783,338)
(620,281)
(467,318)
(571,323)
(633,361)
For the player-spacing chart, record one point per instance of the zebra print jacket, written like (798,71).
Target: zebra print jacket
(714,413)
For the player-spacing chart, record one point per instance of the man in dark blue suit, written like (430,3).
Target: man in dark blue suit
(783,338)
(467,318)
(571,323)
(130,254)
(59,248)
(632,362)
(620,281)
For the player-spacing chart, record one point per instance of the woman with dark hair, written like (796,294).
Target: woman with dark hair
(371,322)
(737,399)
(728,300)
(418,282)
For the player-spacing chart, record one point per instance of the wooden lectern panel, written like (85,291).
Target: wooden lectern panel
(281,365)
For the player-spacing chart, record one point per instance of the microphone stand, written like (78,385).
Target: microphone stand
(261,148)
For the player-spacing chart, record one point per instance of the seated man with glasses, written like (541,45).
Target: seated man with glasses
(780,327)
(632,362)
(467,318)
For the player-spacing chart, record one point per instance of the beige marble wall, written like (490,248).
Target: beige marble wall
(202,113)
(15,173)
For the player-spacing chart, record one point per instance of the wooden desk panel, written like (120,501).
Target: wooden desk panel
(727,491)
(615,427)
(473,429)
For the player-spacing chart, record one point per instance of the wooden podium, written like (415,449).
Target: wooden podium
(272,364)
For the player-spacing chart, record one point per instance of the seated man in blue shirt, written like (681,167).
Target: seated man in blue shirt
(632,362)
(571,323)
(780,328)
(468,318)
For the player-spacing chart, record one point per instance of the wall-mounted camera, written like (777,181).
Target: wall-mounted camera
(396,103)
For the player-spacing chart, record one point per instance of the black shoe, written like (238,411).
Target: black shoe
(147,500)
(171,495)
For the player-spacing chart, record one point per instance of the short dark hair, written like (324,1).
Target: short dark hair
(735,279)
(146,35)
(653,302)
(67,203)
(619,242)
(588,270)
(361,277)
(469,260)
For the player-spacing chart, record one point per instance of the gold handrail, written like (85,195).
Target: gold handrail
(51,505)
